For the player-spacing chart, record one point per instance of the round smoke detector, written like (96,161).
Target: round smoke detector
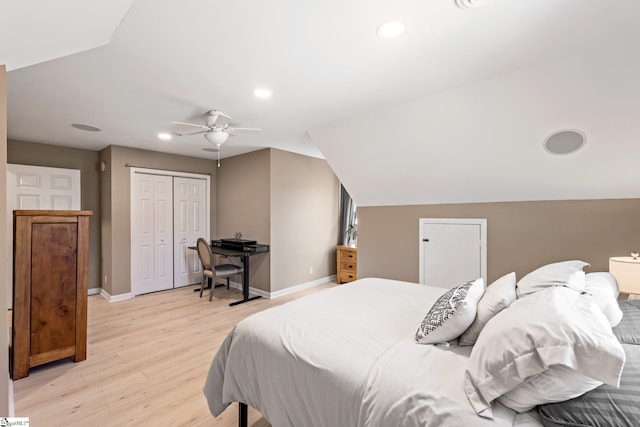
(565,141)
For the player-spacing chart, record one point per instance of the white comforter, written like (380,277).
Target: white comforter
(346,357)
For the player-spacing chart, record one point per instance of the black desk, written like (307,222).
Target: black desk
(244,256)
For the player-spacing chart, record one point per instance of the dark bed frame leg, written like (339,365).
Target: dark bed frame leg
(243,420)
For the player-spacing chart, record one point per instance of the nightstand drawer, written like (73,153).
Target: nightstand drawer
(347,276)
(348,266)
(349,254)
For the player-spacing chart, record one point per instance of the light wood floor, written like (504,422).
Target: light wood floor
(146,364)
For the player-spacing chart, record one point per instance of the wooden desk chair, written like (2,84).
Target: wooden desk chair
(210,271)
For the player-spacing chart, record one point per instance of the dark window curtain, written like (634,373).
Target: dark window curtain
(348,219)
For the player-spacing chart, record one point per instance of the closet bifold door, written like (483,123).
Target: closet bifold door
(49,288)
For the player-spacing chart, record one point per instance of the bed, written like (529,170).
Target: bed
(347,356)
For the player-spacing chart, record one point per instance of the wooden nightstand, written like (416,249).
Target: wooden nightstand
(346,264)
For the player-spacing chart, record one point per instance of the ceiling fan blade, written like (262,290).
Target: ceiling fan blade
(218,113)
(211,149)
(234,131)
(190,124)
(191,133)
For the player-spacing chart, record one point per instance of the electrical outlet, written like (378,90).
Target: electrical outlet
(105,278)
(310,270)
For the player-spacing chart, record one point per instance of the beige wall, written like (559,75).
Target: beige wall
(117,205)
(521,236)
(30,153)
(304,219)
(106,267)
(288,201)
(4,279)
(243,188)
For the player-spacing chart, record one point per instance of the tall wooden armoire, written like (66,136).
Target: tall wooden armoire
(51,251)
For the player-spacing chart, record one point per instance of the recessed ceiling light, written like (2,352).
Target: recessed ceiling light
(85,127)
(390,30)
(262,93)
(164,136)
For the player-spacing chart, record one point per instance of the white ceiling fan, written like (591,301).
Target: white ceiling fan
(216,130)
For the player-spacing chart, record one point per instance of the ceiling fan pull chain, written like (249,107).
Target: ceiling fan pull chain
(218,155)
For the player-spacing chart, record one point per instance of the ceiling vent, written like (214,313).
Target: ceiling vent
(565,142)
(466,4)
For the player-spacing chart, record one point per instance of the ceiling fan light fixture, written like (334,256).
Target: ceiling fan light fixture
(217,137)
(390,30)
(466,4)
(262,93)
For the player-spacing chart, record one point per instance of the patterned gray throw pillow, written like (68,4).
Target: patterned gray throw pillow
(451,314)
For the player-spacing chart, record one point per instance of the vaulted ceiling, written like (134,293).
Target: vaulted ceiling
(456,109)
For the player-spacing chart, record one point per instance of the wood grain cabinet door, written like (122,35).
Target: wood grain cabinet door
(53,289)
(50,288)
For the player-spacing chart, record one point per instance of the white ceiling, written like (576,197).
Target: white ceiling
(454,110)
(32,31)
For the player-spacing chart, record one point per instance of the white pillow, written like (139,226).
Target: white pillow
(554,326)
(451,314)
(557,384)
(566,273)
(498,296)
(604,288)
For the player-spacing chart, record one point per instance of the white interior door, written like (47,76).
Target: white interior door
(151,233)
(452,251)
(38,187)
(190,222)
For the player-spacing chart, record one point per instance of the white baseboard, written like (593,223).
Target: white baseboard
(301,286)
(283,292)
(252,290)
(115,298)
(236,285)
